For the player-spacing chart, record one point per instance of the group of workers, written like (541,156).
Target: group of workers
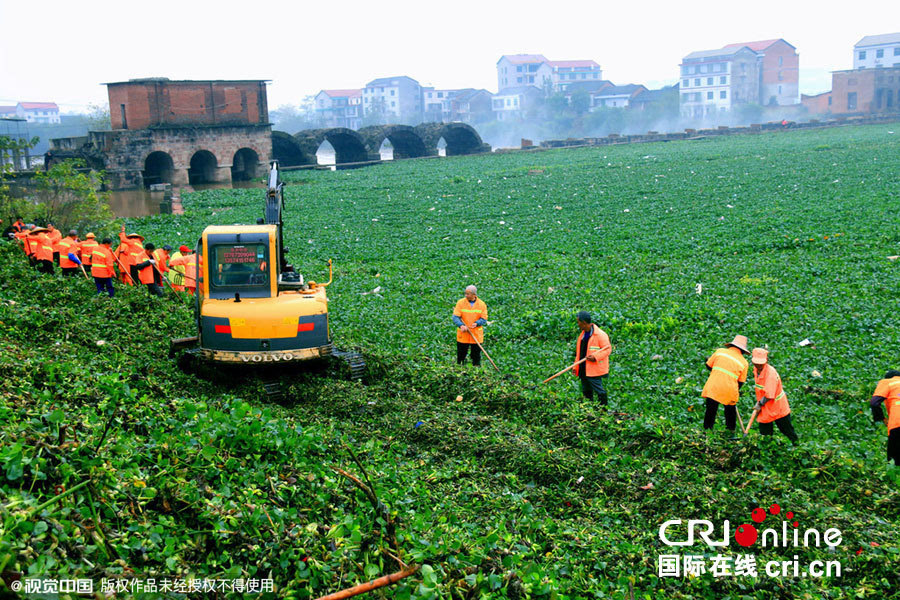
(132,262)
(728,371)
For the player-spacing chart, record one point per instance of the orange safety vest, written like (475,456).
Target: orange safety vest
(103,262)
(889,389)
(469,313)
(729,368)
(86,248)
(161,257)
(768,385)
(55,235)
(64,247)
(18,226)
(146,275)
(598,347)
(43,246)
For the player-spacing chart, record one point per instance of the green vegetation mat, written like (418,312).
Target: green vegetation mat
(115,463)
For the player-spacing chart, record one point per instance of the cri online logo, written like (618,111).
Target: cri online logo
(746,535)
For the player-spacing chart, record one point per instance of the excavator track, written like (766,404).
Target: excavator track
(354,362)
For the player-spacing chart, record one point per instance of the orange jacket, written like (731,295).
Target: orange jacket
(42,245)
(470,313)
(26,244)
(64,247)
(146,275)
(598,347)
(86,248)
(18,225)
(889,389)
(768,385)
(102,262)
(729,368)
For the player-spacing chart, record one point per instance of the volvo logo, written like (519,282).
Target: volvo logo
(275,357)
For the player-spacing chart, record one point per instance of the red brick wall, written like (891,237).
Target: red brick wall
(843,83)
(187,103)
(818,104)
(789,69)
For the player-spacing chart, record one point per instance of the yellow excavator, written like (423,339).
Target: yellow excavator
(252,307)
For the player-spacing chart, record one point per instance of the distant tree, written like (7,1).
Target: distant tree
(581,102)
(68,196)
(97,117)
(292,119)
(10,206)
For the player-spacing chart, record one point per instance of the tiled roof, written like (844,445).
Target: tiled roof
(578,64)
(343,93)
(875,40)
(620,90)
(7,110)
(390,80)
(522,59)
(39,105)
(711,53)
(758,46)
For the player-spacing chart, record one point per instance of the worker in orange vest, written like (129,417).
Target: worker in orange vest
(888,392)
(771,402)
(65,246)
(43,249)
(19,225)
(55,235)
(189,262)
(175,273)
(148,273)
(470,317)
(161,256)
(103,267)
(594,344)
(27,248)
(86,249)
(728,371)
(129,253)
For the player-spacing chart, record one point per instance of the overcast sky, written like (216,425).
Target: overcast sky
(61,51)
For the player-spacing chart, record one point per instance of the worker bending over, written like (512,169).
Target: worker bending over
(727,373)
(771,401)
(888,392)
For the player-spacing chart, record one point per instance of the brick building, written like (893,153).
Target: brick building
(779,71)
(865,91)
(179,132)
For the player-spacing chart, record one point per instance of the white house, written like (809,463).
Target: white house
(398,98)
(877,51)
(339,108)
(516,70)
(714,81)
(38,112)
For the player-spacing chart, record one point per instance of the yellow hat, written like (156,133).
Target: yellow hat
(90,235)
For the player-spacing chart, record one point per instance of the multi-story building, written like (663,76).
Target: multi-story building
(339,108)
(514,70)
(511,103)
(865,91)
(877,51)
(436,104)
(567,72)
(714,81)
(38,112)
(471,106)
(517,70)
(398,99)
(779,71)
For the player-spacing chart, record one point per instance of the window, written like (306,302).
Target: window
(723,95)
(779,90)
(516,101)
(709,80)
(889,98)
(239,265)
(530,79)
(723,79)
(879,53)
(780,61)
(392,92)
(685,97)
(393,103)
(595,75)
(518,80)
(429,94)
(897,51)
(519,69)
(829,100)
(862,55)
(697,81)
(508,103)
(851,101)
(686,83)
(124,122)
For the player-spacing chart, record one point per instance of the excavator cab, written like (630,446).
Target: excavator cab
(252,307)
